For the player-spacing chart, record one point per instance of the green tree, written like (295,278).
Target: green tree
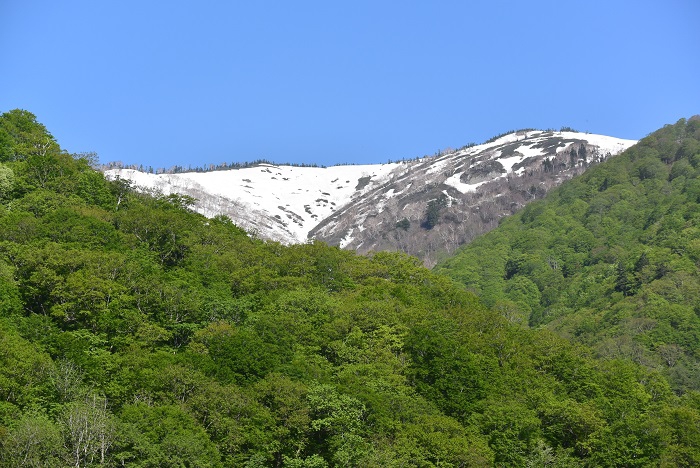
(7,180)
(33,441)
(337,420)
(22,136)
(432,212)
(403,224)
(164,436)
(10,302)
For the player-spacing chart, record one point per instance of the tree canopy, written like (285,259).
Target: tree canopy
(134,332)
(609,259)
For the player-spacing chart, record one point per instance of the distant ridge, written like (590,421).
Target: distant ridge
(424,206)
(610,259)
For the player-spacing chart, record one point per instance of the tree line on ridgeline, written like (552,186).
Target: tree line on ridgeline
(135,332)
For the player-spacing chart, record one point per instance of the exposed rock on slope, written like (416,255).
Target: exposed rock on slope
(429,207)
(425,207)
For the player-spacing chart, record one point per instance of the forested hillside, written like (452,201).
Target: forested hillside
(134,332)
(610,259)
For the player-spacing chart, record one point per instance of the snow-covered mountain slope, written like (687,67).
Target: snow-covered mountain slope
(281,203)
(431,206)
(386,206)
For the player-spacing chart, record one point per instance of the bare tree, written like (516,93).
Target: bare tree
(89,430)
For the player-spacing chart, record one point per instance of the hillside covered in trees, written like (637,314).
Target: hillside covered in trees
(134,332)
(609,259)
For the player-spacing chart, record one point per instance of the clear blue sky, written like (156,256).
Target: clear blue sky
(326,82)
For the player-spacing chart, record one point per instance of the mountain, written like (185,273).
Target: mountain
(136,332)
(610,259)
(431,206)
(425,207)
(277,202)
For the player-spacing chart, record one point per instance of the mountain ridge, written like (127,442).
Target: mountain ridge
(358,206)
(610,259)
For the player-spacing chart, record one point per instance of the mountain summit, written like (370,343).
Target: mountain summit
(425,206)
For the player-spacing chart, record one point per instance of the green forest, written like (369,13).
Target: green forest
(609,260)
(135,332)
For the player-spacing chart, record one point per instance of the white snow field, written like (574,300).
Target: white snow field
(294,198)
(284,203)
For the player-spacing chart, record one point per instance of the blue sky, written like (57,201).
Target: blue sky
(194,83)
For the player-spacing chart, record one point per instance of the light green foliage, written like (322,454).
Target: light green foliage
(134,332)
(7,180)
(21,136)
(617,265)
(339,419)
(24,371)
(34,441)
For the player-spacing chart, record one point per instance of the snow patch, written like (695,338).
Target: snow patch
(253,196)
(509,162)
(269,184)
(345,241)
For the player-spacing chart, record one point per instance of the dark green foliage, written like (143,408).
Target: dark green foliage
(403,224)
(432,212)
(164,435)
(444,370)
